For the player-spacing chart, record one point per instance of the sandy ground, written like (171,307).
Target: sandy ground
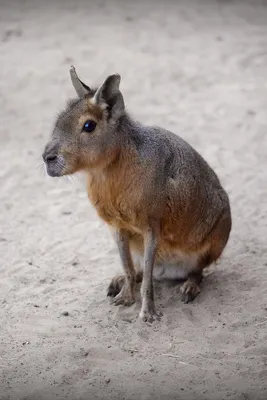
(198,68)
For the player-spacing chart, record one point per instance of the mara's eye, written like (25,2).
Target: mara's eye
(89,126)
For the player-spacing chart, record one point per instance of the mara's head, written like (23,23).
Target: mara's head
(84,135)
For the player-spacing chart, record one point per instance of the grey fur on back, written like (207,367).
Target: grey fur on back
(175,159)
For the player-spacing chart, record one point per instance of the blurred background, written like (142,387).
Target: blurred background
(198,68)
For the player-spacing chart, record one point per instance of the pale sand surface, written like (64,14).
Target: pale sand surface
(198,68)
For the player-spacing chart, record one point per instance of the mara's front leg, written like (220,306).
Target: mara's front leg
(126,296)
(148,312)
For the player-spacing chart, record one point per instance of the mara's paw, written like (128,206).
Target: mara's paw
(189,291)
(115,285)
(124,298)
(149,314)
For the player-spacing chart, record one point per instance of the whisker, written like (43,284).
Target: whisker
(41,168)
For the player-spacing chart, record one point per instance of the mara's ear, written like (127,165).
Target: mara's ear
(81,88)
(108,95)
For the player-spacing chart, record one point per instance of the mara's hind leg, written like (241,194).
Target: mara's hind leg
(118,281)
(190,289)
(217,241)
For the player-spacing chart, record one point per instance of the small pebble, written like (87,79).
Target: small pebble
(127,320)
(107,380)
(75,261)
(65,313)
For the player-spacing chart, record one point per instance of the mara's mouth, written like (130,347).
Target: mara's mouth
(55,166)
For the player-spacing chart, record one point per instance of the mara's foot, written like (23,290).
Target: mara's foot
(117,283)
(189,291)
(148,313)
(126,297)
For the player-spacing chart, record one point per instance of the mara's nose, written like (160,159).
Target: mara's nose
(50,152)
(49,157)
